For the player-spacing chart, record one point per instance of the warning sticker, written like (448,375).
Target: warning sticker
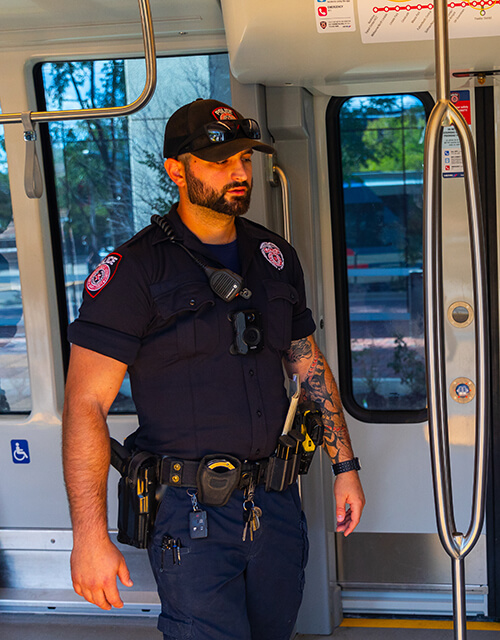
(333,16)
(406,20)
(453,166)
(461,100)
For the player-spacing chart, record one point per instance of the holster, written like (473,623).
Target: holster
(137,489)
(295,450)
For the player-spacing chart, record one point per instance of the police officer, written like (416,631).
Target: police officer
(206,373)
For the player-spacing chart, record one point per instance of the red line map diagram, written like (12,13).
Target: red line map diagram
(407,20)
(482,7)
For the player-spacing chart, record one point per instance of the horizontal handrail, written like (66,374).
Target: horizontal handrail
(107,112)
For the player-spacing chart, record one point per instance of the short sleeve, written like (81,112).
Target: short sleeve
(116,308)
(303,324)
(104,340)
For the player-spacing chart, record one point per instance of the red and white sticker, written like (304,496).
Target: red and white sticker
(273,254)
(102,274)
(224,113)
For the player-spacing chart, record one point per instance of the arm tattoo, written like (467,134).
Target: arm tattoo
(319,386)
(299,350)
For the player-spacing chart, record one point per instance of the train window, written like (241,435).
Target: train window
(15,393)
(377,202)
(108,173)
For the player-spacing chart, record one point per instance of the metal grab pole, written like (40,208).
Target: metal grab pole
(285,199)
(277,177)
(456,544)
(108,112)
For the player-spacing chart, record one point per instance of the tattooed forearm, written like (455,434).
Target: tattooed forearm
(319,386)
(299,350)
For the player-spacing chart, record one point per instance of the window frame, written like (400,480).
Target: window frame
(337,213)
(18,412)
(51,192)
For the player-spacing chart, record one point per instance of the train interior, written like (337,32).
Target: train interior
(343,91)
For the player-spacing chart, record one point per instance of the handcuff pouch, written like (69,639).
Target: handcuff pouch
(218,476)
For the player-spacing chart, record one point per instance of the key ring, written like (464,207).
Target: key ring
(194,500)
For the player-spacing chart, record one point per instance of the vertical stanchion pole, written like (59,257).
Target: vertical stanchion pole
(457,545)
(459,608)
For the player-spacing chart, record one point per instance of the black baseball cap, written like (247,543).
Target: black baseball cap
(186,132)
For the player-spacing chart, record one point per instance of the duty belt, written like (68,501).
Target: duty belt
(183,473)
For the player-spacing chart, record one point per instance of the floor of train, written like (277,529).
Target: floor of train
(18,626)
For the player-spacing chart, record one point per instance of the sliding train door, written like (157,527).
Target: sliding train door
(396,563)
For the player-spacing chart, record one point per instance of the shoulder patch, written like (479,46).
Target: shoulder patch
(272,253)
(102,274)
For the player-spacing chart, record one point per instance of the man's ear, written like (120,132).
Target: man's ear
(176,171)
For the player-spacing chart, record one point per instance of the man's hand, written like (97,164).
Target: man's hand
(94,569)
(348,491)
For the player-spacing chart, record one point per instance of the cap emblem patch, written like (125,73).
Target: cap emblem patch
(102,274)
(224,113)
(273,254)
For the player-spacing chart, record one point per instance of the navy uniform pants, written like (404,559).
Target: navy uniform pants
(225,588)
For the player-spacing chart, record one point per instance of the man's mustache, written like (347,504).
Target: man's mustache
(237,185)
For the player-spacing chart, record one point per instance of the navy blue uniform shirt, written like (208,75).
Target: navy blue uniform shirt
(149,305)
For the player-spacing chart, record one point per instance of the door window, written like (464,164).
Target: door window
(376,156)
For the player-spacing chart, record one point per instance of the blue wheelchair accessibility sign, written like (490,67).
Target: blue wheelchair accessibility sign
(20,451)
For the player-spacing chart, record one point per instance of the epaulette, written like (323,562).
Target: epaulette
(266,233)
(150,229)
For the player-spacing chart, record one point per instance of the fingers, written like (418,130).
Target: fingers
(349,521)
(105,597)
(124,575)
(344,522)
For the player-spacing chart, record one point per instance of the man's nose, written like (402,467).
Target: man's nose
(241,170)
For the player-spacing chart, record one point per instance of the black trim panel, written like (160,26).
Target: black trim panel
(53,213)
(485,145)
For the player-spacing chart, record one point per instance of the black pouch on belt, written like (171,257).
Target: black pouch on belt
(137,503)
(218,476)
(282,469)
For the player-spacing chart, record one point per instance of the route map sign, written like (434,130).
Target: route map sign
(402,20)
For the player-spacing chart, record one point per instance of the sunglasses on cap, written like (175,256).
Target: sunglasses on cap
(221,132)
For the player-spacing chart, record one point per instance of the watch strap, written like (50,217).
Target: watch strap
(347,465)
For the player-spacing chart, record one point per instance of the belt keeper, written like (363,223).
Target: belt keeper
(176,469)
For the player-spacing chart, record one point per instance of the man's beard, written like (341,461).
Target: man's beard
(203,195)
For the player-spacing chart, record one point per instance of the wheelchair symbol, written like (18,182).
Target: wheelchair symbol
(20,451)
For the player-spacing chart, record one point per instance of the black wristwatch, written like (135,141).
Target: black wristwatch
(348,465)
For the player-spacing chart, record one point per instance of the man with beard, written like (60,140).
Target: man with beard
(206,372)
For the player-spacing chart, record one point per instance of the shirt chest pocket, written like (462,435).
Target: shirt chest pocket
(189,309)
(281,299)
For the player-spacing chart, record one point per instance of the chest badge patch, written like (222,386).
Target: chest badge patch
(102,274)
(273,254)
